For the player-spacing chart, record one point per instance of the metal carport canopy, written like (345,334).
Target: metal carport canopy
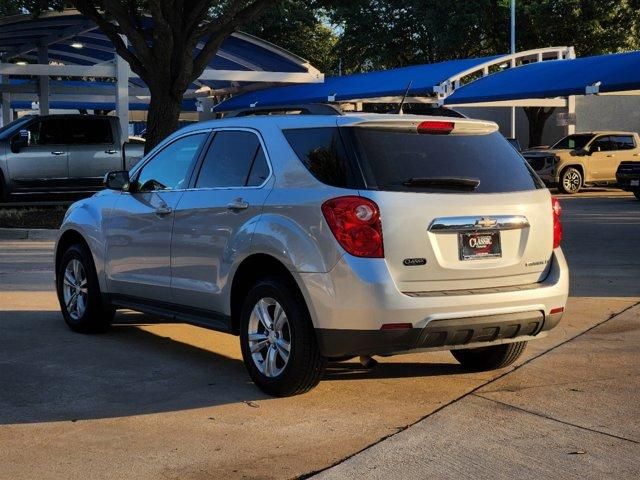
(545,76)
(618,72)
(423,81)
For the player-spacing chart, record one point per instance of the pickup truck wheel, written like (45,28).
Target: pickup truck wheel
(277,339)
(79,292)
(489,358)
(570,180)
(637,194)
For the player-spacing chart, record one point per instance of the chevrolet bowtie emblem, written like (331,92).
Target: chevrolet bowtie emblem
(486,222)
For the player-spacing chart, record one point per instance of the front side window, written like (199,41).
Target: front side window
(169,168)
(46,132)
(234,159)
(601,144)
(573,142)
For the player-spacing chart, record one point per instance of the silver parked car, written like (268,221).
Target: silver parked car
(323,237)
(48,154)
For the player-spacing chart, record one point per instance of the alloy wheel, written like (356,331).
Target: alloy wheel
(571,181)
(269,337)
(74,289)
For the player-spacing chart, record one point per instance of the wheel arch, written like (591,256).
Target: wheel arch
(252,268)
(68,238)
(577,166)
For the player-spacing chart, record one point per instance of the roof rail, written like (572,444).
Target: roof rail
(303,109)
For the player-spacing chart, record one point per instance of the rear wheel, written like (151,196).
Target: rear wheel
(489,358)
(79,292)
(637,194)
(278,342)
(571,180)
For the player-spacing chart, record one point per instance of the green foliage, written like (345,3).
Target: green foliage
(391,33)
(592,26)
(298,26)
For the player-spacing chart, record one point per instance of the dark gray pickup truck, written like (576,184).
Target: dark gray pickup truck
(62,154)
(628,177)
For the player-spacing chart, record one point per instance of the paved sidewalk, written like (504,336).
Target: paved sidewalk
(571,413)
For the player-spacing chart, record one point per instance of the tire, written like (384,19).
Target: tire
(570,181)
(637,194)
(87,314)
(489,358)
(285,375)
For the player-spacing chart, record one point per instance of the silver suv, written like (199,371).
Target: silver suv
(324,237)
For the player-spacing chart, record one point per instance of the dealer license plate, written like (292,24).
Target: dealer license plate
(477,245)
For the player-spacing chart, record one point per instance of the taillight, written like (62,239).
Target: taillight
(355,222)
(435,127)
(557,225)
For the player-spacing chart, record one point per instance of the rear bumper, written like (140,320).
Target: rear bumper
(350,304)
(438,335)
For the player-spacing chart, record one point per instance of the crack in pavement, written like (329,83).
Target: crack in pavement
(473,391)
(547,417)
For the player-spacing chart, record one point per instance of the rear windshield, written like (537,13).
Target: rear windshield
(356,157)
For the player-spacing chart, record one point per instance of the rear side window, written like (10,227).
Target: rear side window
(89,131)
(399,161)
(234,159)
(322,151)
(622,142)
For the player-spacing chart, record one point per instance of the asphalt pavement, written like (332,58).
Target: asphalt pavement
(173,401)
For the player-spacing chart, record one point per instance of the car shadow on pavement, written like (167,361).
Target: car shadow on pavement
(48,373)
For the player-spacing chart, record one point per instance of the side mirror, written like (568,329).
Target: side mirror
(117,180)
(20,141)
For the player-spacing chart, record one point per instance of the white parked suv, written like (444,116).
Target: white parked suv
(324,237)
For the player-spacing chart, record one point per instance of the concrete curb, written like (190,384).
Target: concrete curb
(28,234)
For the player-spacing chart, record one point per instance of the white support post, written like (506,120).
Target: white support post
(122,96)
(6,102)
(571,112)
(512,117)
(43,82)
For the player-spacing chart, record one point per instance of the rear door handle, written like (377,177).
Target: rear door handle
(238,204)
(163,210)
(57,152)
(110,152)
(611,155)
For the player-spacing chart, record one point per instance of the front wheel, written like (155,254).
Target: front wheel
(489,358)
(79,293)
(571,180)
(637,194)
(277,339)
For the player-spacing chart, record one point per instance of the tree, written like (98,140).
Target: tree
(381,34)
(593,27)
(162,36)
(300,27)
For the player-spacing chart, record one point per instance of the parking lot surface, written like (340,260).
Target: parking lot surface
(173,401)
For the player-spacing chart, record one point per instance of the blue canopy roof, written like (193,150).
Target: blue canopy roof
(423,79)
(554,78)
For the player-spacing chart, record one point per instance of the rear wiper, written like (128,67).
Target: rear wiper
(453,183)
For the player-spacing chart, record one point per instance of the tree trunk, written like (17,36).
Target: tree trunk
(162,119)
(537,117)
